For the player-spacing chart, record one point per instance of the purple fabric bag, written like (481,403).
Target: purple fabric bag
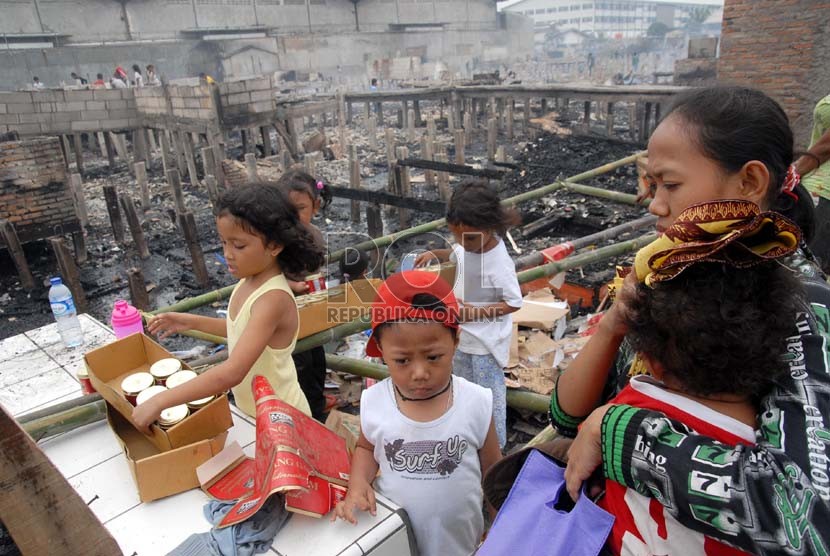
(529,524)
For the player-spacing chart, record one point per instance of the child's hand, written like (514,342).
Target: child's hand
(585,454)
(166,324)
(360,496)
(614,319)
(425,259)
(145,415)
(299,288)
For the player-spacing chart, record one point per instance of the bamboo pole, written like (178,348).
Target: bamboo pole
(224,293)
(60,420)
(616,196)
(535,194)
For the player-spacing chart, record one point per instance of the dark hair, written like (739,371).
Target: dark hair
(136,68)
(303,182)
(262,209)
(419,301)
(718,329)
(100,76)
(353,263)
(475,204)
(738,124)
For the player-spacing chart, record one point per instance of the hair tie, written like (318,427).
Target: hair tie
(320,185)
(790,182)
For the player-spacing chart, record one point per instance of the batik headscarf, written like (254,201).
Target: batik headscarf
(733,232)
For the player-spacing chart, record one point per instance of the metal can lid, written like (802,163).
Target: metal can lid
(179,378)
(136,382)
(148,393)
(196,404)
(173,415)
(165,367)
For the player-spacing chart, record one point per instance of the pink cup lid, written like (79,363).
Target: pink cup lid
(124,314)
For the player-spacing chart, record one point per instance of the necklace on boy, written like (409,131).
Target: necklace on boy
(435,395)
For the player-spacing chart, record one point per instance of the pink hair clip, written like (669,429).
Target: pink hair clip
(790,182)
(320,185)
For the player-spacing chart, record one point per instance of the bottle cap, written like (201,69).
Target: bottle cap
(124,314)
(56,281)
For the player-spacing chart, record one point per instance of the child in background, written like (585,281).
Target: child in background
(431,434)
(262,239)
(711,335)
(486,287)
(354,265)
(308,196)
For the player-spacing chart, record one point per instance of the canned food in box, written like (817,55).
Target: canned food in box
(196,405)
(149,393)
(163,368)
(134,384)
(177,379)
(315,283)
(86,384)
(172,416)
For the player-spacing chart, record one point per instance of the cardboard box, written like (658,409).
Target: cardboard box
(161,473)
(108,365)
(346,425)
(341,304)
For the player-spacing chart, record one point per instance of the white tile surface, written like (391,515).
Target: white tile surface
(113,485)
(18,367)
(38,390)
(81,449)
(46,335)
(155,528)
(15,345)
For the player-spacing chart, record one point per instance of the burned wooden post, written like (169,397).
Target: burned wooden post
(188,225)
(410,126)
(267,145)
(111,200)
(354,181)
(138,289)
(175,183)
(500,154)
(215,142)
(16,251)
(403,185)
(141,179)
(120,143)
(491,139)
(187,145)
(374,221)
(468,128)
(69,273)
(645,127)
(213,191)
(509,117)
(443,177)
(379,112)
(109,145)
(459,146)
(426,154)
(372,131)
(178,146)
(416,113)
(135,226)
(165,151)
(586,113)
(66,148)
(79,152)
(450,120)
(431,129)
(208,161)
(609,119)
(287,161)
(250,167)
(151,138)
(102,145)
(390,147)
(79,200)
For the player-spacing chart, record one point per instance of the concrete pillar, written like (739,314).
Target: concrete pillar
(410,127)
(460,140)
(372,130)
(491,139)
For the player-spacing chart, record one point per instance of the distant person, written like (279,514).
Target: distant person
(99,81)
(590,63)
(78,79)
(635,61)
(205,78)
(812,166)
(152,79)
(374,84)
(119,79)
(138,79)
(36,83)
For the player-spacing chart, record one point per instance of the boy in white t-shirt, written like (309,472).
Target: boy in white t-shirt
(486,286)
(429,433)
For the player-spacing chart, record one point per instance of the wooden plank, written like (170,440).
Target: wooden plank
(69,273)
(42,512)
(16,251)
(111,200)
(188,225)
(135,226)
(390,199)
(452,168)
(138,290)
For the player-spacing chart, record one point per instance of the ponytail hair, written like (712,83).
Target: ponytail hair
(734,125)
(476,204)
(303,182)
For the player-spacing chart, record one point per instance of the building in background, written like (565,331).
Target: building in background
(622,19)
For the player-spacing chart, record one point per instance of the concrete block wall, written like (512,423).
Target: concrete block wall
(782,48)
(58,112)
(34,195)
(188,102)
(251,96)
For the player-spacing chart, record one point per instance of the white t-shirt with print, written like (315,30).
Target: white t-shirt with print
(432,469)
(485,279)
